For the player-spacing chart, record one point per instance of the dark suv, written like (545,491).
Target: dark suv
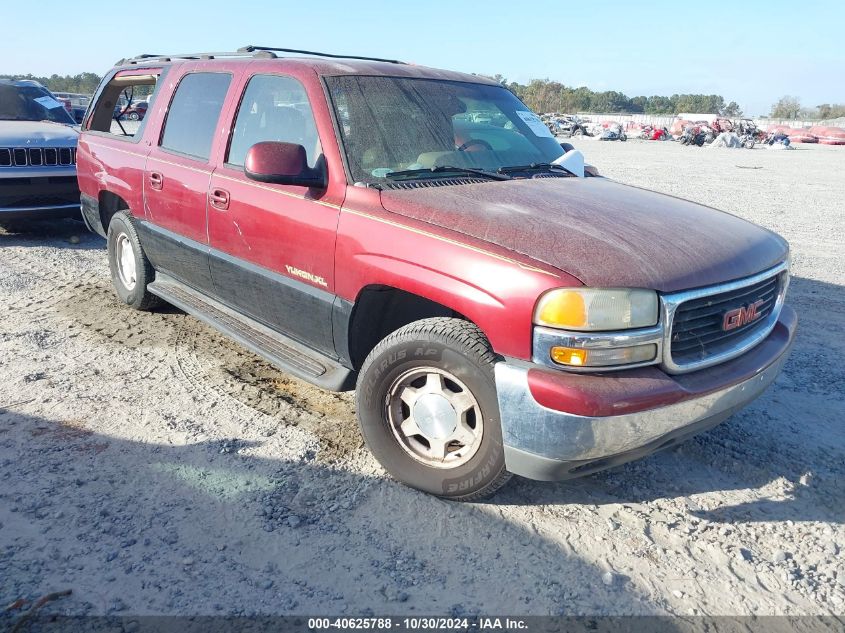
(37,154)
(419,236)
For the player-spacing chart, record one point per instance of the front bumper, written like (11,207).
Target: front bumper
(549,444)
(39,193)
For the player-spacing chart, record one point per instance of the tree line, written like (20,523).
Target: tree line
(83,83)
(544,95)
(789,107)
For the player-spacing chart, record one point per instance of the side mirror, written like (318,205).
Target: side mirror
(283,164)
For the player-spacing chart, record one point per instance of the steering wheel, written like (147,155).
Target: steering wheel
(475,141)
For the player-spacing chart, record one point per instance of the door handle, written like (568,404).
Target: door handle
(219,199)
(156,180)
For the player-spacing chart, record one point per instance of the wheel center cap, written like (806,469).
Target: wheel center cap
(434,416)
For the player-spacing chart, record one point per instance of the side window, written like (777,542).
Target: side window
(122,104)
(194,112)
(274,108)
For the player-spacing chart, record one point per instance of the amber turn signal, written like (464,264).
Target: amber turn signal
(569,356)
(603,357)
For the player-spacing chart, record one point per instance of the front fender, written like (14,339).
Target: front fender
(494,291)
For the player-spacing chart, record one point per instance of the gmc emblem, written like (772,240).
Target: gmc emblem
(741,316)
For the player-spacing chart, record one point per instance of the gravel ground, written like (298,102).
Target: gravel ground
(154,467)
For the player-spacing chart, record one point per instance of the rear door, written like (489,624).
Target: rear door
(272,246)
(177,176)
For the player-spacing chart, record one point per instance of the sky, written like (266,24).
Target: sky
(752,53)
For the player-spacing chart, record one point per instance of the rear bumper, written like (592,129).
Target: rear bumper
(548,444)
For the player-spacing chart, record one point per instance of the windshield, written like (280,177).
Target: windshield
(31,103)
(391,125)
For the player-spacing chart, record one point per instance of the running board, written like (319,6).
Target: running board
(283,352)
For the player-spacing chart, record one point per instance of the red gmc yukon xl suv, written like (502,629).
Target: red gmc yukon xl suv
(418,236)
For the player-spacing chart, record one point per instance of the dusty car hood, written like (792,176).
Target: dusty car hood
(604,233)
(36,134)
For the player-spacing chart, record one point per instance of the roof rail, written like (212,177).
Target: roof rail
(146,57)
(261,52)
(258,49)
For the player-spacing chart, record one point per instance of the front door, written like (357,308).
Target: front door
(272,246)
(177,176)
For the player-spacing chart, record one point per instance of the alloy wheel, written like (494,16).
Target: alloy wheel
(434,417)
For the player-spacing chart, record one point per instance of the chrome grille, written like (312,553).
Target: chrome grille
(37,156)
(696,336)
(697,331)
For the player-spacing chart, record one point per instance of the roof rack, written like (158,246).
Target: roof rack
(146,57)
(258,49)
(261,52)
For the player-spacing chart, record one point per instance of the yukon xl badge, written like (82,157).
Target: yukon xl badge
(741,316)
(314,279)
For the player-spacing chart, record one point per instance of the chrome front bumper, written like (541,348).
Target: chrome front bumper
(541,443)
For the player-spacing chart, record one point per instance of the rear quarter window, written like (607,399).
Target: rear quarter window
(117,99)
(194,114)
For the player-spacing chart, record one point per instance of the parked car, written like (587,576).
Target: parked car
(37,154)
(495,307)
(135,111)
(613,132)
(74,103)
(76,99)
(566,125)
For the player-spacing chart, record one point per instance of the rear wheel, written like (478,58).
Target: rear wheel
(131,271)
(427,405)
(133,116)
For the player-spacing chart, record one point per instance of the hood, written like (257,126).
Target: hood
(36,134)
(604,233)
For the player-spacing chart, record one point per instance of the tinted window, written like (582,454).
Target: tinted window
(274,109)
(194,111)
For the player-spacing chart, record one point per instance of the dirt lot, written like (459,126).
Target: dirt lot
(152,466)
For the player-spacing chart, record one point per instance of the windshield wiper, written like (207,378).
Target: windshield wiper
(515,168)
(410,173)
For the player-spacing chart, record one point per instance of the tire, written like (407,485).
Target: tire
(459,357)
(131,271)
(622,137)
(133,116)
(578,132)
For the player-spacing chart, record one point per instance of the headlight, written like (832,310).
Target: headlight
(597,309)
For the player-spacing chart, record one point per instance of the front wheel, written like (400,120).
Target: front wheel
(427,405)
